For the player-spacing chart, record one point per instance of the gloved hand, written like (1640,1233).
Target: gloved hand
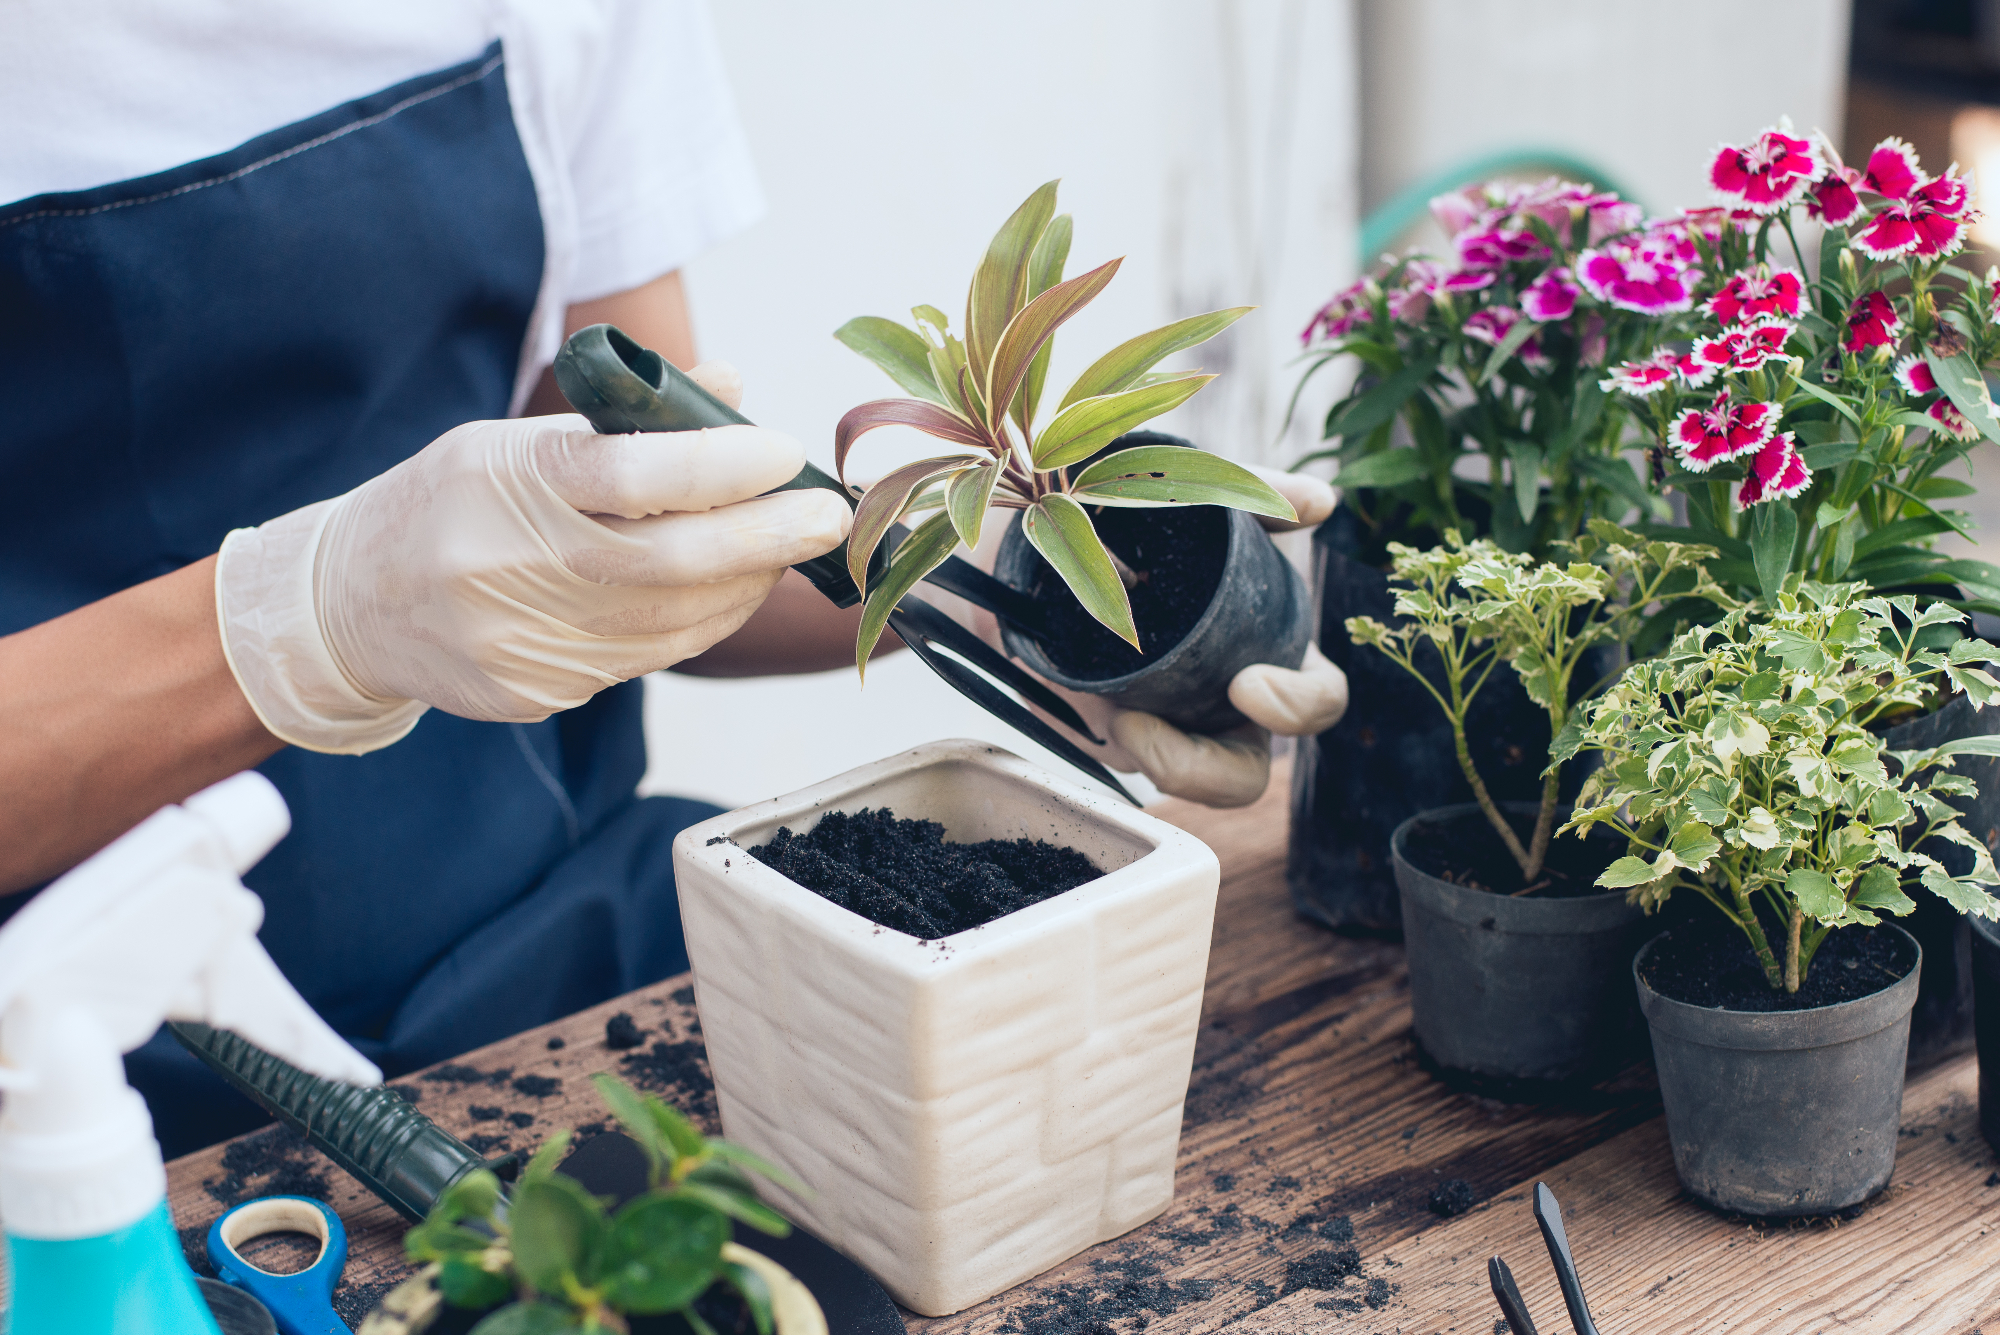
(510,570)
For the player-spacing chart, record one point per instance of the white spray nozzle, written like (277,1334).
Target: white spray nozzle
(156,926)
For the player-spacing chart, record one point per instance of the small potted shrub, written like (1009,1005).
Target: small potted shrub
(548,1257)
(1741,766)
(1517,958)
(978,1082)
(1155,585)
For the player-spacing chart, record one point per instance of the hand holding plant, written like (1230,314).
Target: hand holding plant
(1741,765)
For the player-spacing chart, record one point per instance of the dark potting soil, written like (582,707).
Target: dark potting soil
(901,873)
(621,1032)
(1714,966)
(1467,851)
(1178,556)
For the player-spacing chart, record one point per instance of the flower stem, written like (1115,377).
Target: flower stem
(1486,802)
(1792,978)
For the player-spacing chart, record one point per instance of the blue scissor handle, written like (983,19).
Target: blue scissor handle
(302,1304)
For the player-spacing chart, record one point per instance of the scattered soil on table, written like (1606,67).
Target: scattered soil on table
(484,1112)
(1452,1198)
(901,873)
(468,1075)
(1714,966)
(1178,556)
(273,1162)
(622,1032)
(677,1070)
(536,1086)
(556,1045)
(1466,850)
(353,1302)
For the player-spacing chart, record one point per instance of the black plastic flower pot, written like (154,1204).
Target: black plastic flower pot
(1783,1114)
(1986,1010)
(1216,596)
(1515,992)
(1942,1024)
(1392,755)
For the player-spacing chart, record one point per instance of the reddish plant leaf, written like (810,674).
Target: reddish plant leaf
(926,417)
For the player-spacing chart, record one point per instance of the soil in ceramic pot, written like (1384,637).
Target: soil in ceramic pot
(903,875)
(722,1307)
(1715,967)
(1474,857)
(1178,556)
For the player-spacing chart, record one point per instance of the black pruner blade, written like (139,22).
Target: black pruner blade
(927,630)
(1549,1215)
(1509,1297)
(958,575)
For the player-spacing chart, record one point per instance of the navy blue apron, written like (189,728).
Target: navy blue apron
(214,345)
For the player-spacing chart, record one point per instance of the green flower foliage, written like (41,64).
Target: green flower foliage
(1741,764)
(1478,606)
(573,1265)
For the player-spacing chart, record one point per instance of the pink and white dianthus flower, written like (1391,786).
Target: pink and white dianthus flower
(1929,222)
(1642,378)
(1642,274)
(1497,247)
(1951,421)
(1776,473)
(1757,294)
(1705,437)
(1490,324)
(1768,174)
(1743,349)
(1872,323)
(1345,309)
(1552,296)
(1892,170)
(1833,200)
(1913,373)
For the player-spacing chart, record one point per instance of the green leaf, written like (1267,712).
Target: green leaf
(1694,844)
(1000,284)
(1149,475)
(664,1253)
(1087,426)
(1522,331)
(1774,530)
(731,1153)
(883,504)
(1121,367)
(555,1228)
(920,553)
(739,1204)
(1391,468)
(526,1319)
(1527,461)
(1827,396)
(1382,403)
(1030,331)
(1626,872)
(967,497)
(755,1292)
(1813,892)
(1943,488)
(683,1135)
(1045,270)
(466,1283)
(1880,888)
(1062,533)
(1960,378)
(1971,746)
(545,1159)
(897,350)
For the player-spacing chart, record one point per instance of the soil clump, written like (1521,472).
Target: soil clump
(1715,967)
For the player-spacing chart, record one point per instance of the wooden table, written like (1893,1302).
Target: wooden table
(1310,1151)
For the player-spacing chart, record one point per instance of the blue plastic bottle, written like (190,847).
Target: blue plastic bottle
(133,1282)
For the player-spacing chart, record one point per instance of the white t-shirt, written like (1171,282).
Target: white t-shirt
(622,107)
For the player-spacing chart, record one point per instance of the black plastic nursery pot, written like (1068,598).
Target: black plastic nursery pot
(1986,1009)
(1783,1113)
(1392,755)
(1216,596)
(1514,989)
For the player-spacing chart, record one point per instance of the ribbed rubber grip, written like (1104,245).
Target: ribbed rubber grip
(375,1134)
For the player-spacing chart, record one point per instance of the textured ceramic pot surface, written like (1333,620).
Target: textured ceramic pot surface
(1260,614)
(1512,989)
(971,1111)
(1783,1113)
(1986,1008)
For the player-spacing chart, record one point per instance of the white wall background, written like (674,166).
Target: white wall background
(1211,142)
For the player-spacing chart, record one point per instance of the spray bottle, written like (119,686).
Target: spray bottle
(156,926)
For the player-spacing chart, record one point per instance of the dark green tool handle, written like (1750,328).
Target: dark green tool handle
(622,387)
(375,1134)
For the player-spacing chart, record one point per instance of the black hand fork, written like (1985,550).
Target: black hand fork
(1549,1215)
(622,387)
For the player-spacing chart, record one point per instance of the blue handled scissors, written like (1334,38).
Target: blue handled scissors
(302,1304)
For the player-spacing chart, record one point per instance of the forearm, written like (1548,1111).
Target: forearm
(113,711)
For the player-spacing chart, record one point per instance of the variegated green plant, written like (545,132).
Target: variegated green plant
(1742,764)
(1478,606)
(982,395)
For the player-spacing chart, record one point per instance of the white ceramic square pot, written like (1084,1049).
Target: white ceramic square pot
(971,1111)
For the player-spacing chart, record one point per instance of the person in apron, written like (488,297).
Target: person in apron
(302,352)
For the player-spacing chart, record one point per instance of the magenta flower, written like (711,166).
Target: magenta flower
(1460,209)
(1642,274)
(1872,323)
(1768,175)
(1743,349)
(1556,202)
(1777,473)
(1892,170)
(1913,373)
(1642,378)
(1757,294)
(1495,248)
(1833,199)
(1924,217)
(1551,297)
(1705,437)
(1490,324)
(1951,421)
(1347,308)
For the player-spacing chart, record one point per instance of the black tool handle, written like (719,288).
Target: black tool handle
(375,1134)
(623,387)
(1548,1213)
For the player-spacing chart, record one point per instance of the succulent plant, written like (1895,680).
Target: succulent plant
(982,393)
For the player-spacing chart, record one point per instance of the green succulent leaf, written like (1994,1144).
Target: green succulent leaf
(1061,531)
(1152,475)
(967,497)
(466,1283)
(1087,426)
(883,504)
(527,1319)
(1124,365)
(663,1252)
(1029,332)
(556,1230)
(920,553)
(999,285)
(902,354)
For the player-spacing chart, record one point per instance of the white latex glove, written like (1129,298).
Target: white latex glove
(510,570)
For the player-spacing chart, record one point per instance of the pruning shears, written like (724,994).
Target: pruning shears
(623,387)
(1549,1215)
